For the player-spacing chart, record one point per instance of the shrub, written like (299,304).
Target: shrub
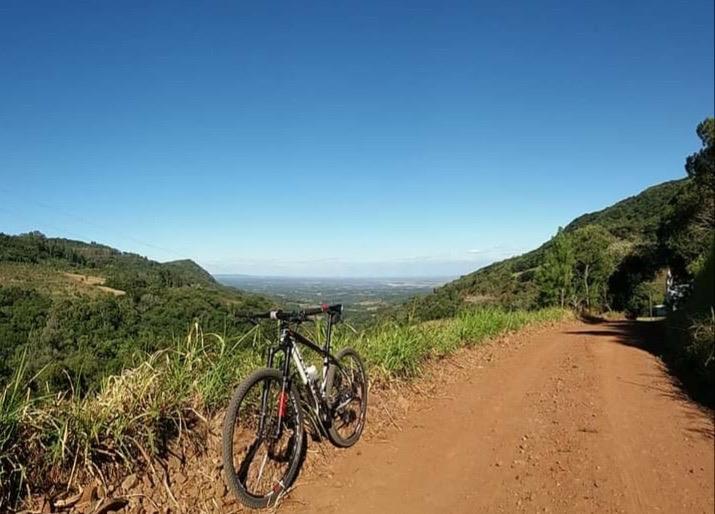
(690,337)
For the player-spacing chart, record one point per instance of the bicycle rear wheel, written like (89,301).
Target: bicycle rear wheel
(262,439)
(346,390)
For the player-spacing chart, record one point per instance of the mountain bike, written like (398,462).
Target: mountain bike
(264,434)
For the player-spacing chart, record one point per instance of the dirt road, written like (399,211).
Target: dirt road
(581,419)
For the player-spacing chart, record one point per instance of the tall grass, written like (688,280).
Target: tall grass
(47,441)
(12,405)
(64,438)
(398,350)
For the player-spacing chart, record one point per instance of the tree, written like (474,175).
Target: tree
(701,168)
(594,263)
(644,297)
(701,165)
(555,275)
(641,265)
(686,231)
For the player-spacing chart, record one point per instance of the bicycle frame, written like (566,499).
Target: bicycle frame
(288,344)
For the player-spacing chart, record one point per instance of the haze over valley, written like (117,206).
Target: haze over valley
(363,297)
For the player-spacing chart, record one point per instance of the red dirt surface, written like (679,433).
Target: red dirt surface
(575,419)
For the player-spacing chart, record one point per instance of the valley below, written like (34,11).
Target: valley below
(363,298)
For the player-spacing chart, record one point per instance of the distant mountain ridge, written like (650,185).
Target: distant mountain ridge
(510,282)
(191,266)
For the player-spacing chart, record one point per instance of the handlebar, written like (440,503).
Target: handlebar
(295,316)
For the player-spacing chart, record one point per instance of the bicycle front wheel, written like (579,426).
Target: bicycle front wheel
(262,439)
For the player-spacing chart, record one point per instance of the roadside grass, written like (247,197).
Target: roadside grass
(51,442)
(396,350)
(12,469)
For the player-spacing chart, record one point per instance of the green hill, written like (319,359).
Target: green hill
(632,225)
(636,218)
(90,309)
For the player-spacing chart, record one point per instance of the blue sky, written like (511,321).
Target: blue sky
(341,138)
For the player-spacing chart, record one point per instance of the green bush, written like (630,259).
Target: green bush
(690,337)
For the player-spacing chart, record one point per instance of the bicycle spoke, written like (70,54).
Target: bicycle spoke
(263,464)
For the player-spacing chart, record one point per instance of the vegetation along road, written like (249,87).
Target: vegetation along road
(575,419)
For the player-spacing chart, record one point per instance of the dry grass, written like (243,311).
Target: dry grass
(49,280)
(92,281)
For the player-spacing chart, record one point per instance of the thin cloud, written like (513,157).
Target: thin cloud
(499,250)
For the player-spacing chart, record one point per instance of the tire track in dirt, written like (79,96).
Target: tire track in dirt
(579,419)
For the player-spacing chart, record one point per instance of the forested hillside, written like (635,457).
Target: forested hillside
(615,258)
(629,224)
(77,311)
